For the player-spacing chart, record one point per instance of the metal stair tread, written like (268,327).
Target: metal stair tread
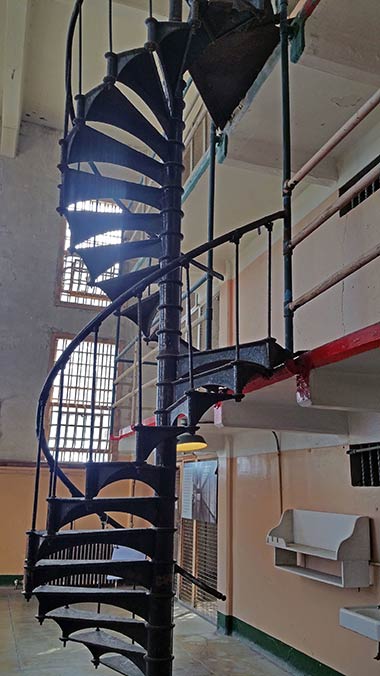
(101,638)
(81,185)
(109,105)
(82,562)
(137,70)
(98,259)
(74,614)
(88,591)
(87,224)
(86,144)
(120,665)
(97,531)
(153,499)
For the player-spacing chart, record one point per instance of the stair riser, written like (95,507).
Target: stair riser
(143,540)
(134,632)
(138,606)
(139,574)
(157,512)
(203,361)
(233,378)
(98,476)
(148,438)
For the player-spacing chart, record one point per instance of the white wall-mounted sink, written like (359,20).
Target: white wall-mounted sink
(363,620)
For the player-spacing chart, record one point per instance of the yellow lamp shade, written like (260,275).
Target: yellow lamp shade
(187,442)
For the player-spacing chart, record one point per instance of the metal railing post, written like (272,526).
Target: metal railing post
(286,173)
(210,236)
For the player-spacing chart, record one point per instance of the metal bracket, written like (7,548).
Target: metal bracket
(221,147)
(297,37)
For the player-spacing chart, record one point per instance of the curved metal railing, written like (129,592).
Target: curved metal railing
(183,261)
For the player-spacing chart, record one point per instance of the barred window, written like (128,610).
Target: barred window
(364,194)
(74,441)
(365,464)
(74,287)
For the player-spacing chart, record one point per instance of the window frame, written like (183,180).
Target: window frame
(112,451)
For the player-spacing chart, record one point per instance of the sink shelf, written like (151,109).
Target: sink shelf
(344,538)
(364,620)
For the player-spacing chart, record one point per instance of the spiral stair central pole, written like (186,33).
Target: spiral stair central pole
(169,334)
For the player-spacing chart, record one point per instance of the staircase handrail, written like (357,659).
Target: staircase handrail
(94,324)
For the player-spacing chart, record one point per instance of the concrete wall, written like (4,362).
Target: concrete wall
(300,612)
(30,239)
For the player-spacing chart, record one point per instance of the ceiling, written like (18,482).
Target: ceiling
(338,71)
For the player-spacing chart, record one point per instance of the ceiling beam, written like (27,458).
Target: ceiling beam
(249,414)
(340,391)
(13,74)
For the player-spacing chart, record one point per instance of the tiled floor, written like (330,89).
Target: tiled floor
(27,649)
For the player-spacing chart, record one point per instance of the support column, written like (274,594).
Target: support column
(159,654)
(286,174)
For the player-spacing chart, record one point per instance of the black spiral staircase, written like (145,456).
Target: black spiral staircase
(224,45)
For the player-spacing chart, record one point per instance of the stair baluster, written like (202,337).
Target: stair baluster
(53,472)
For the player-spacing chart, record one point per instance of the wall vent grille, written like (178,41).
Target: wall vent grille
(364,194)
(365,464)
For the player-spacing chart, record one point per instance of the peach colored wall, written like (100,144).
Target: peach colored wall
(300,612)
(16,500)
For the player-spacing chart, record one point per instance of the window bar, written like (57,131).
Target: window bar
(93,394)
(38,473)
(237,300)
(53,475)
(362,467)
(269,228)
(371,474)
(140,362)
(189,327)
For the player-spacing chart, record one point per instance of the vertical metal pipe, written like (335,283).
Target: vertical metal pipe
(140,363)
(269,299)
(286,174)
(159,652)
(237,301)
(38,471)
(93,395)
(175,10)
(189,328)
(115,367)
(53,476)
(80,54)
(110,26)
(210,236)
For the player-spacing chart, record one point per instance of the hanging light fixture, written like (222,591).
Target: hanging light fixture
(188,442)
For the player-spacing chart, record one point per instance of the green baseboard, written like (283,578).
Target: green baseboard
(8,580)
(304,663)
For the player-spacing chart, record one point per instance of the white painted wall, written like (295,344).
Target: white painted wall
(29,244)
